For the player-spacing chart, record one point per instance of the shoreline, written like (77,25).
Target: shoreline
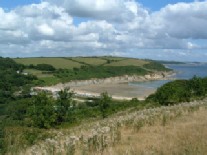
(118,79)
(117,87)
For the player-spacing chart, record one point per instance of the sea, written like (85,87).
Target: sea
(183,71)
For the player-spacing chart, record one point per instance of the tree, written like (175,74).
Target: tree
(64,102)
(41,112)
(196,86)
(104,103)
(172,93)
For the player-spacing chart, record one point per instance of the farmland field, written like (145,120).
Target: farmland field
(70,63)
(90,60)
(65,69)
(37,73)
(128,62)
(56,62)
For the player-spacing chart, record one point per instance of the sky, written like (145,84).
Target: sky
(161,29)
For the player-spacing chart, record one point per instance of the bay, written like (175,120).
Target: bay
(183,71)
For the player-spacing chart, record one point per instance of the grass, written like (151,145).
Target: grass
(82,68)
(184,135)
(56,62)
(114,58)
(179,129)
(128,62)
(48,81)
(90,60)
(70,63)
(37,73)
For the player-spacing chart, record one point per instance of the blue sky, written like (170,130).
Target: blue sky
(137,28)
(155,5)
(14,3)
(151,4)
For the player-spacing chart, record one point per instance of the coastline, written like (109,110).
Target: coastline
(117,87)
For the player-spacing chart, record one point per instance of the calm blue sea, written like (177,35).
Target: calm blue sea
(183,71)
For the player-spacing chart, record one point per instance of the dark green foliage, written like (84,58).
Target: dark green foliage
(180,91)
(64,105)
(18,108)
(7,63)
(42,67)
(197,86)
(41,113)
(153,65)
(88,72)
(104,103)
(12,81)
(172,92)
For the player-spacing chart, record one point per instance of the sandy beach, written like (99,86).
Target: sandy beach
(116,90)
(117,87)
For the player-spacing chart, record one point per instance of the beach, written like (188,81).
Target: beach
(116,90)
(117,87)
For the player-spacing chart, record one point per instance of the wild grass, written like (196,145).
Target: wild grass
(182,135)
(178,129)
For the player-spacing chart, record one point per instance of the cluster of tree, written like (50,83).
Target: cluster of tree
(87,72)
(42,67)
(153,65)
(180,91)
(11,79)
(43,111)
(13,85)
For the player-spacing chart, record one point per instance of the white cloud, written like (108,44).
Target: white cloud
(112,10)
(45,30)
(115,27)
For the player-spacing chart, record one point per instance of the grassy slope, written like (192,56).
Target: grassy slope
(95,67)
(184,135)
(172,130)
(128,62)
(90,60)
(67,63)
(56,62)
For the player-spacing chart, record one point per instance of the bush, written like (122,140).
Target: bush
(44,67)
(41,112)
(180,91)
(104,103)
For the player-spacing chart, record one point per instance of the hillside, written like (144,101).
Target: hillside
(84,68)
(178,129)
(77,62)
(30,124)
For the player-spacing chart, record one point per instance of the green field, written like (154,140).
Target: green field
(90,60)
(77,62)
(127,62)
(83,68)
(56,62)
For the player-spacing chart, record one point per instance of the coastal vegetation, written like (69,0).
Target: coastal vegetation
(56,70)
(180,91)
(32,120)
